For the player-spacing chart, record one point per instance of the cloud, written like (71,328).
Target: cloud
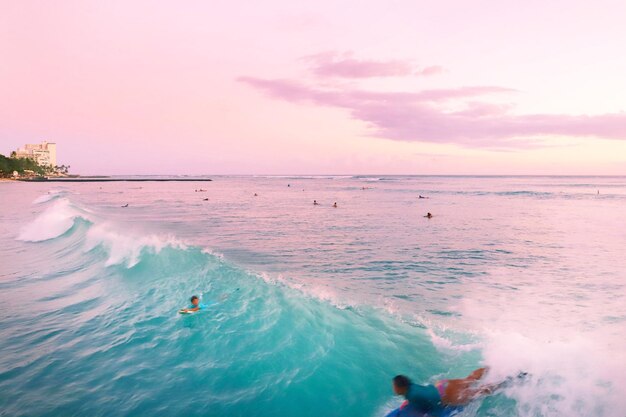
(332,64)
(431,70)
(298,92)
(426,116)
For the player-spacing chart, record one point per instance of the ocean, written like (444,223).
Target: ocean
(312,309)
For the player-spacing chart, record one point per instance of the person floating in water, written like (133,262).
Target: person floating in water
(335,205)
(428,215)
(256,195)
(444,395)
(125,205)
(421,196)
(195,306)
(315,203)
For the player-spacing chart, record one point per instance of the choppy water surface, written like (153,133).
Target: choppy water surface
(316,307)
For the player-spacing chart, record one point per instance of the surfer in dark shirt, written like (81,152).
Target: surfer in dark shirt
(446,394)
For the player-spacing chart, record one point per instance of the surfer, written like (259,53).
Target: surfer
(445,394)
(335,205)
(125,205)
(428,215)
(315,203)
(195,305)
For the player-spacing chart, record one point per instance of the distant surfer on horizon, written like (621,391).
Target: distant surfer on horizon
(444,395)
(429,215)
(335,205)
(315,203)
(125,205)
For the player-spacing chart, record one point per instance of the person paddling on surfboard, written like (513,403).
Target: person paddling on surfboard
(195,306)
(444,396)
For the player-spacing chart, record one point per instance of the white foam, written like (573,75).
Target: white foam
(124,248)
(211,252)
(574,377)
(577,369)
(327,294)
(53,222)
(44,198)
(444,344)
(317,292)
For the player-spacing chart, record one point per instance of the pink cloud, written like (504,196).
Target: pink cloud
(295,91)
(331,64)
(431,70)
(422,116)
(343,65)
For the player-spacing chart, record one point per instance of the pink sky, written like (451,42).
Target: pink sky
(326,87)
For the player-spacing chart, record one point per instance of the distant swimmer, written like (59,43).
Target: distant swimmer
(335,205)
(256,195)
(195,306)
(421,196)
(315,203)
(205,199)
(443,396)
(428,215)
(125,205)
(288,185)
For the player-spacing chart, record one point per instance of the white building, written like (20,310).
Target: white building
(43,153)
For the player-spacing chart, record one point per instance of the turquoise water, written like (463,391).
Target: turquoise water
(316,307)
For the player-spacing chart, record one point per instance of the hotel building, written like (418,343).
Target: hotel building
(43,153)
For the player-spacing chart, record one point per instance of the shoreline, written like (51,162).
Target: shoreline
(112,180)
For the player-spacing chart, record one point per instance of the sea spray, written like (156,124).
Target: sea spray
(54,221)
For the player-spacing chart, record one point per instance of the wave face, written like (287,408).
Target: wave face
(312,309)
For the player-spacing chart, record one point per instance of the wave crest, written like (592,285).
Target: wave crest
(126,249)
(53,222)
